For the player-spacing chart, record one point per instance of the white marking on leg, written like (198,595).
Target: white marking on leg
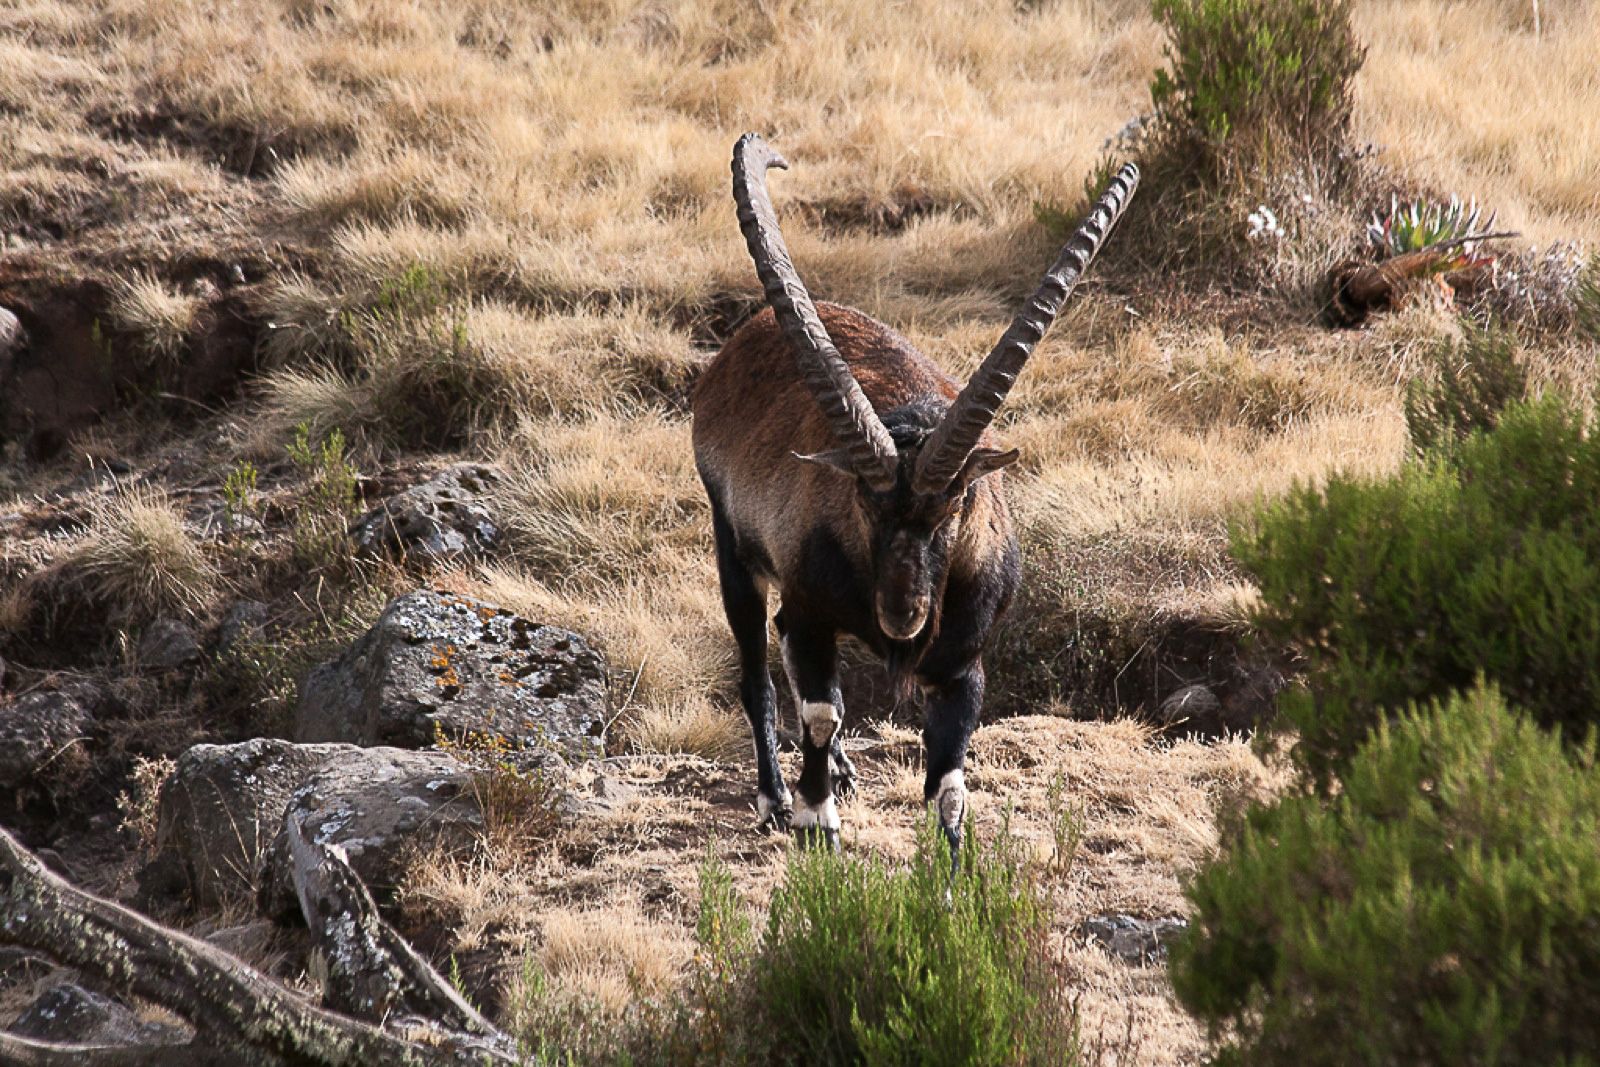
(824,815)
(765,805)
(951,799)
(820,719)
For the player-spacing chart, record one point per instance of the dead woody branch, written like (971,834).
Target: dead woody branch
(386,1005)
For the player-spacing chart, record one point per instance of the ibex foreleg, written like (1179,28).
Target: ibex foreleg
(810,658)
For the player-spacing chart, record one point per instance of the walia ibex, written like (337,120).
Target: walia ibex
(846,472)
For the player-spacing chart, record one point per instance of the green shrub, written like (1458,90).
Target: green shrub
(864,963)
(1403,589)
(1474,380)
(1441,910)
(327,504)
(1253,83)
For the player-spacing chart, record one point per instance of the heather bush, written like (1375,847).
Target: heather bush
(1255,84)
(1484,559)
(1473,381)
(1440,910)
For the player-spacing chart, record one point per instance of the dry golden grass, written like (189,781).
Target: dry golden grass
(1467,98)
(611,956)
(690,728)
(608,912)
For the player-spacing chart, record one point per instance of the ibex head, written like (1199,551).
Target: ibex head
(913,468)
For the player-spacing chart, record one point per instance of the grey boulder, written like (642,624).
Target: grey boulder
(384,806)
(169,644)
(441,663)
(443,518)
(1136,941)
(222,806)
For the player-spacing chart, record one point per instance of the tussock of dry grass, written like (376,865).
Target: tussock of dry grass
(442,374)
(157,315)
(138,560)
(692,728)
(611,957)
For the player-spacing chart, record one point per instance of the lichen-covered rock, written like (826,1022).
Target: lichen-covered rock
(38,734)
(383,806)
(74,1015)
(69,1013)
(1132,940)
(443,518)
(441,662)
(221,807)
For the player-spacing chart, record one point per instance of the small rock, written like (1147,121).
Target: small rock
(36,731)
(169,644)
(1194,707)
(1137,941)
(249,941)
(438,661)
(443,518)
(384,806)
(242,619)
(68,1012)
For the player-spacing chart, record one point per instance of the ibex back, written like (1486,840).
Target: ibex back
(850,474)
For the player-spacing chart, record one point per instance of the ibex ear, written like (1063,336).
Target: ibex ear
(838,459)
(984,462)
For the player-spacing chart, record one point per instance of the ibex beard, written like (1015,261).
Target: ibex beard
(852,476)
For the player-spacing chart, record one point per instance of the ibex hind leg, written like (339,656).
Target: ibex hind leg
(746,606)
(810,659)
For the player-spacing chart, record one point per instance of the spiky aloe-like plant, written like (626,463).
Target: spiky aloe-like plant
(1429,225)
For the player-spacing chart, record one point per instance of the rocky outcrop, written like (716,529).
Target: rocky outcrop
(382,806)
(440,662)
(220,835)
(1132,940)
(221,808)
(443,518)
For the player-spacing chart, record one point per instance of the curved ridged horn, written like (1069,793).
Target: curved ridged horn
(953,440)
(855,425)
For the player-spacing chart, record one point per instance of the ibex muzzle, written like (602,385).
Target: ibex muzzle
(849,473)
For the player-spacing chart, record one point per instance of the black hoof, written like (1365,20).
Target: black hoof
(777,819)
(818,837)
